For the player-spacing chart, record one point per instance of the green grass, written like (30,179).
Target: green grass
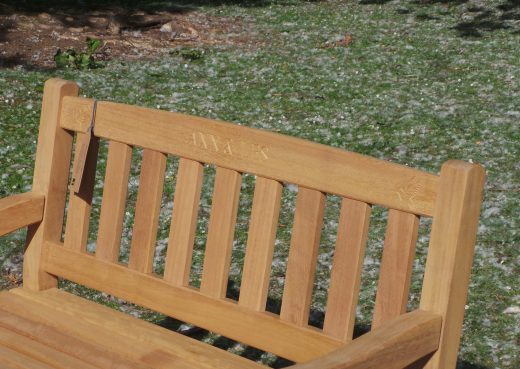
(420,84)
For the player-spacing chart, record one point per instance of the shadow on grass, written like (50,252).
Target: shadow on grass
(316,319)
(466,365)
(374,2)
(489,20)
(476,22)
(273,305)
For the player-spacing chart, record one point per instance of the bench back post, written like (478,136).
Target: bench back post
(51,174)
(450,254)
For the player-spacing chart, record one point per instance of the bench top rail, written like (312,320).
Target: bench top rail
(248,150)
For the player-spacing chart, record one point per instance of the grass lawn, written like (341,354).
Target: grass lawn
(420,83)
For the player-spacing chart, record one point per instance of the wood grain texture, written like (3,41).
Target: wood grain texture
(35,322)
(260,244)
(395,273)
(301,264)
(77,116)
(450,254)
(266,154)
(113,205)
(51,172)
(80,202)
(345,280)
(184,222)
(12,359)
(182,351)
(18,211)
(221,233)
(394,345)
(39,351)
(147,209)
(259,329)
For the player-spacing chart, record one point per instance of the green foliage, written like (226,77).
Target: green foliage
(83,60)
(194,55)
(93,44)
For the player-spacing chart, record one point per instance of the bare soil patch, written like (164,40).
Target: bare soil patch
(33,38)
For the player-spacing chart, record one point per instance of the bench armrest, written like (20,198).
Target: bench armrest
(394,345)
(18,211)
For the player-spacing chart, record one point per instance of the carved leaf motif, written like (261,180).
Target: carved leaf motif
(410,189)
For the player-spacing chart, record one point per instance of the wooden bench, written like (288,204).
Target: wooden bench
(44,327)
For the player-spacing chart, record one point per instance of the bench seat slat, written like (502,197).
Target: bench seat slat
(270,155)
(177,347)
(396,266)
(345,280)
(260,244)
(147,208)
(113,205)
(119,339)
(28,320)
(39,351)
(221,233)
(184,222)
(257,329)
(12,359)
(303,253)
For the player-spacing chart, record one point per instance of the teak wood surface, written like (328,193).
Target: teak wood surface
(43,327)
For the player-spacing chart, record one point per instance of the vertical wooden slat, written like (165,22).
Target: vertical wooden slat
(80,203)
(147,208)
(260,244)
(396,266)
(50,178)
(301,266)
(347,266)
(221,232)
(184,222)
(450,254)
(114,201)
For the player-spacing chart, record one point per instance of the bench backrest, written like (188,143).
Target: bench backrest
(452,199)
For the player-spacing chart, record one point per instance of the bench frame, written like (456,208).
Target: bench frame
(425,338)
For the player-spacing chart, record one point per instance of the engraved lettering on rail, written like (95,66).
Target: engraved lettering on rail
(260,151)
(228,146)
(211,142)
(199,140)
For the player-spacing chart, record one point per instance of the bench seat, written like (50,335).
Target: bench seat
(55,329)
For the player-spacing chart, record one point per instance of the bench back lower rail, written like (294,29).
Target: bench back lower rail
(260,329)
